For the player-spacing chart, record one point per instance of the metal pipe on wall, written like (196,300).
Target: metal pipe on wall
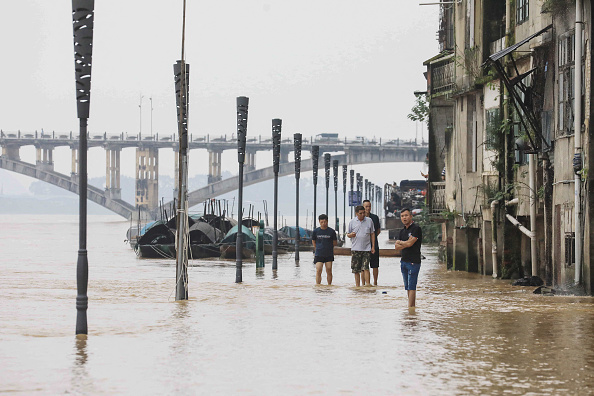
(577,140)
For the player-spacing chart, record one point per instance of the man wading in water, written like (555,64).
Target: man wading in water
(323,240)
(374,260)
(409,241)
(361,232)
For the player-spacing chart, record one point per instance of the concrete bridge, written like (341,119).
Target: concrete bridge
(147,149)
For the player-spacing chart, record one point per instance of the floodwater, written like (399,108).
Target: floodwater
(275,333)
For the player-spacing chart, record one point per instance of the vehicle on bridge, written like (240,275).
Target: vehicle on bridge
(327,137)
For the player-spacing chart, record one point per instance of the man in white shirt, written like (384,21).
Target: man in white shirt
(362,232)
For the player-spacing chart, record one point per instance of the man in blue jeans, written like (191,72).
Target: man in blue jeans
(409,241)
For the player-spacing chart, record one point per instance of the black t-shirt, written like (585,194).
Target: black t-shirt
(411,254)
(376,225)
(324,241)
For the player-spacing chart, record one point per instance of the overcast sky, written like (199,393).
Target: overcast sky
(346,66)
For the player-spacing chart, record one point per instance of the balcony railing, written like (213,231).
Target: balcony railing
(442,78)
(438,197)
(496,46)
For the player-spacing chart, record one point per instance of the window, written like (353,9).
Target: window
(566,94)
(493,129)
(521,11)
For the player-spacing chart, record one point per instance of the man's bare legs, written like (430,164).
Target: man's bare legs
(357,279)
(412,295)
(375,273)
(319,266)
(366,275)
(328,272)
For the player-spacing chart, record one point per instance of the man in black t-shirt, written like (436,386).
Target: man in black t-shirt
(374,259)
(323,240)
(409,241)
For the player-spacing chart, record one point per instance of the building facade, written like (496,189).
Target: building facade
(503,111)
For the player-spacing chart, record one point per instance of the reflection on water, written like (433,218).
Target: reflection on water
(277,331)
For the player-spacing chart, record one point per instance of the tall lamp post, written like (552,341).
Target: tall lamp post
(358,184)
(82,23)
(276,139)
(366,188)
(315,156)
(242,118)
(297,142)
(335,174)
(352,173)
(344,188)
(181,72)
(327,160)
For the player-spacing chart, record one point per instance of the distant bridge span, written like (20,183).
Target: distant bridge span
(353,158)
(94,194)
(123,208)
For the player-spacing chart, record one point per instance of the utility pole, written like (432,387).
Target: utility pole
(82,23)
(151,99)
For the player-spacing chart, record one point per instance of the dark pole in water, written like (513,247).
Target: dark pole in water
(315,156)
(242,118)
(297,141)
(276,139)
(82,23)
(327,160)
(352,189)
(344,187)
(181,72)
(357,179)
(335,173)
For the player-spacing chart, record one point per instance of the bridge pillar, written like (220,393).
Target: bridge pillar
(112,173)
(214,166)
(45,159)
(74,169)
(284,155)
(147,178)
(250,160)
(11,152)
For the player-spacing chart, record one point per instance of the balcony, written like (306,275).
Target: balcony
(442,78)
(438,197)
(496,46)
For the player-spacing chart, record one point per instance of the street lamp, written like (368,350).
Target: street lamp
(276,139)
(315,156)
(181,71)
(242,118)
(344,187)
(327,160)
(335,173)
(297,142)
(352,173)
(82,24)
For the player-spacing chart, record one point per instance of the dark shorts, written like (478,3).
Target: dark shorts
(359,261)
(410,273)
(323,259)
(374,261)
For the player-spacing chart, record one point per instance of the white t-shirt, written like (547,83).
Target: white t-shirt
(362,241)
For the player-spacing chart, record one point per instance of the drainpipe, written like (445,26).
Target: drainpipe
(577,140)
(494,205)
(532,187)
(507,22)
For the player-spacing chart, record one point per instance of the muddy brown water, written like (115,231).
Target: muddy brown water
(275,332)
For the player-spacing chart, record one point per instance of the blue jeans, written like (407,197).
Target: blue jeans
(410,273)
